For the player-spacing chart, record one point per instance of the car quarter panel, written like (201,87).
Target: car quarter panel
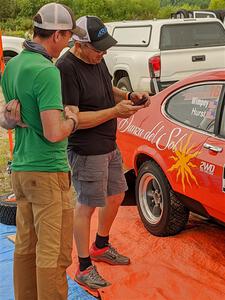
(191,167)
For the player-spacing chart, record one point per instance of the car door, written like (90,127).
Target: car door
(200,171)
(211,161)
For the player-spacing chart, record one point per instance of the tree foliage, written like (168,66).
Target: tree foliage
(17,14)
(199,3)
(217,4)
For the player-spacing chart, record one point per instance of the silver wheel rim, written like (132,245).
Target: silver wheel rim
(150,198)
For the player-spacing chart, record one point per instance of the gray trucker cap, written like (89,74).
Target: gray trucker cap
(55,16)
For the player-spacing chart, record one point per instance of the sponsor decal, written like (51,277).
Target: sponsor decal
(156,136)
(184,153)
(183,163)
(207,168)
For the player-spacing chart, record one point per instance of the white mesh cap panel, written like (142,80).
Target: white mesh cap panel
(54,17)
(82,23)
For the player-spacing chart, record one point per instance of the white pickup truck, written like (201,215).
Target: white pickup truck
(11,46)
(174,48)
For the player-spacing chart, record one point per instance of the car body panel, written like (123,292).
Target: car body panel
(180,150)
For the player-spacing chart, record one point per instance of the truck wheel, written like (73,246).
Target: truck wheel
(7,211)
(124,84)
(161,212)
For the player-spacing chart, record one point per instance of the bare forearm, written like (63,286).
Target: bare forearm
(64,130)
(94,118)
(119,95)
(55,127)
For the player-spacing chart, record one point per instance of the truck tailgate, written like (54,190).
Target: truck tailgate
(191,47)
(178,64)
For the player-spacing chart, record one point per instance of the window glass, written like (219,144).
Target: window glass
(181,36)
(222,125)
(132,36)
(204,15)
(196,106)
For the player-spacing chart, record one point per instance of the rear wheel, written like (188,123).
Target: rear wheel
(162,213)
(7,210)
(124,84)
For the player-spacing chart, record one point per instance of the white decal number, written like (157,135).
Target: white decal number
(207,168)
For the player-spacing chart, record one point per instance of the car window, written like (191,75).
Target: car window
(222,125)
(195,106)
(132,36)
(182,36)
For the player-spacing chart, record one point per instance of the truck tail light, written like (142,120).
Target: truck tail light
(155,62)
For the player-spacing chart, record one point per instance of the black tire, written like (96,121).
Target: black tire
(161,212)
(7,211)
(124,84)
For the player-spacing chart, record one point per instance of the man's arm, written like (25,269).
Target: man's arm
(88,119)
(55,127)
(10,115)
(119,95)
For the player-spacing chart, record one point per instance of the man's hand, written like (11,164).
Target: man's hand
(136,96)
(71,113)
(125,109)
(10,115)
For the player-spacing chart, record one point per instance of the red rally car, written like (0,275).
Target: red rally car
(176,147)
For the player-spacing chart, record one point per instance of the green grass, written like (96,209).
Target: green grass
(5,183)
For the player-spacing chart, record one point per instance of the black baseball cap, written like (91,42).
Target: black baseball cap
(97,33)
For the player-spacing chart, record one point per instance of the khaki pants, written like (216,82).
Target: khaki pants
(44,235)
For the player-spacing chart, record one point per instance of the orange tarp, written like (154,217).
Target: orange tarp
(188,266)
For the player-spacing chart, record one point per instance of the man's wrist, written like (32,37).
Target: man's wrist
(75,123)
(128,96)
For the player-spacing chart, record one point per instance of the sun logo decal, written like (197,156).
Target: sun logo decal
(183,164)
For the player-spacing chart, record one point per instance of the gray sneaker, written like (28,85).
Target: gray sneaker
(90,278)
(109,255)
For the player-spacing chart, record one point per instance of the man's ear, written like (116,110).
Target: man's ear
(56,36)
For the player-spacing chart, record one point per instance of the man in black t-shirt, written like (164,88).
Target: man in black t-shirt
(93,154)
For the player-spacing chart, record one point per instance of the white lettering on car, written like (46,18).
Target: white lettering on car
(126,126)
(156,135)
(207,168)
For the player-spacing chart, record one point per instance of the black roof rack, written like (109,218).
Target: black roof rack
(184,13)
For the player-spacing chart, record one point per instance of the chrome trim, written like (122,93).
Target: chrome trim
(212,147)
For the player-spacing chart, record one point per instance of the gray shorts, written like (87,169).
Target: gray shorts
(97,176)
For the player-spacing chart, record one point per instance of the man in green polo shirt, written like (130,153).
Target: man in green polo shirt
(40,172)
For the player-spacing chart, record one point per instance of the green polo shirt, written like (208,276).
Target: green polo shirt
(35,81)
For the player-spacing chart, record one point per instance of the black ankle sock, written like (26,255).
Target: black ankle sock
(85,262)
(101,241)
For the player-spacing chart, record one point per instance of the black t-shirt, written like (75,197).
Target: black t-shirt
(89,87)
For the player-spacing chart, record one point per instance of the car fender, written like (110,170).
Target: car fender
(153,155)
